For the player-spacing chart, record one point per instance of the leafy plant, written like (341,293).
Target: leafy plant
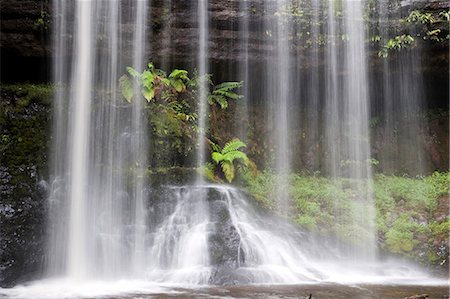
(397,43)
(226,157)
(218,100)
(423,26)
(177,79)
(172,102)
(223,92)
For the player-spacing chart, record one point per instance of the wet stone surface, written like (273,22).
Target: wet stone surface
(319,291)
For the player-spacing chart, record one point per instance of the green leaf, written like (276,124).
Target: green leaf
(227,86)
(126,87)
(227,94)
(178,85)
(236,155)
(165,81)
(217,157)
(214,146)
(133,72)
(147,79)
(148,94)
(179,74)
(228,170)
(233,145)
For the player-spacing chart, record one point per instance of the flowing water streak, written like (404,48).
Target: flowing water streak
(79,144)
(403,93)
(180,242)
(166,59)
(332,95)
(356,118)
(97,210)
(61,43)
(279,76)
(244,33)
(139,143)
(313,89)
(202,60)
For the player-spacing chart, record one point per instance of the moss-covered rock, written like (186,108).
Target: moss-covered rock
(24,139)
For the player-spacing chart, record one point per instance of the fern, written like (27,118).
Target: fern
(228,86)
(226,157)
(223,92)
(228,170)
(233,145)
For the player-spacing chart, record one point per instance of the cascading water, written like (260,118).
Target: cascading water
(278,72)
(97,209)
(403,92)
(202,61)
(107,223)
(355,118)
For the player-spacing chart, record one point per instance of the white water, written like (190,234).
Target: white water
(278,74)
(97,200)
(271,251)
(202,62)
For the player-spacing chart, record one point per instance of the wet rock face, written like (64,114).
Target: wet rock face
(223,243)
(223,240)
(23,156)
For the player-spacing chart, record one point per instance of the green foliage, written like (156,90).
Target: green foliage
(228,155)
(405,209)
(24,138)
(417,16)
(397,43)
(177,79)
(400,237)
(42,23)
(28,93)
(223,92)
(423,26)
(172,102)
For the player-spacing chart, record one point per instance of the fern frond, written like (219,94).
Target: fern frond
(179,74)
(236,155)
(228,170)
(233,145)
(227,94)
(214,146)
(217,157)
(228,86)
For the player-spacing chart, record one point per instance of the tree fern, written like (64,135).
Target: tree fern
(233,145)
(228,155)
(223,92)
(228,170)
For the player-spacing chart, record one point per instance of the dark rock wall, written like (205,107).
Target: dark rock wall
(24,141)
(24,41)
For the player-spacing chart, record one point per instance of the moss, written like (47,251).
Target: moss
(27,93)
(24,140)
(400,238)
(405,209)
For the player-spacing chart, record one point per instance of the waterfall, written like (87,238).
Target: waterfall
(278,76)
(97,209)
(106,222)
(202,61)
(403,91)
(244,68)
